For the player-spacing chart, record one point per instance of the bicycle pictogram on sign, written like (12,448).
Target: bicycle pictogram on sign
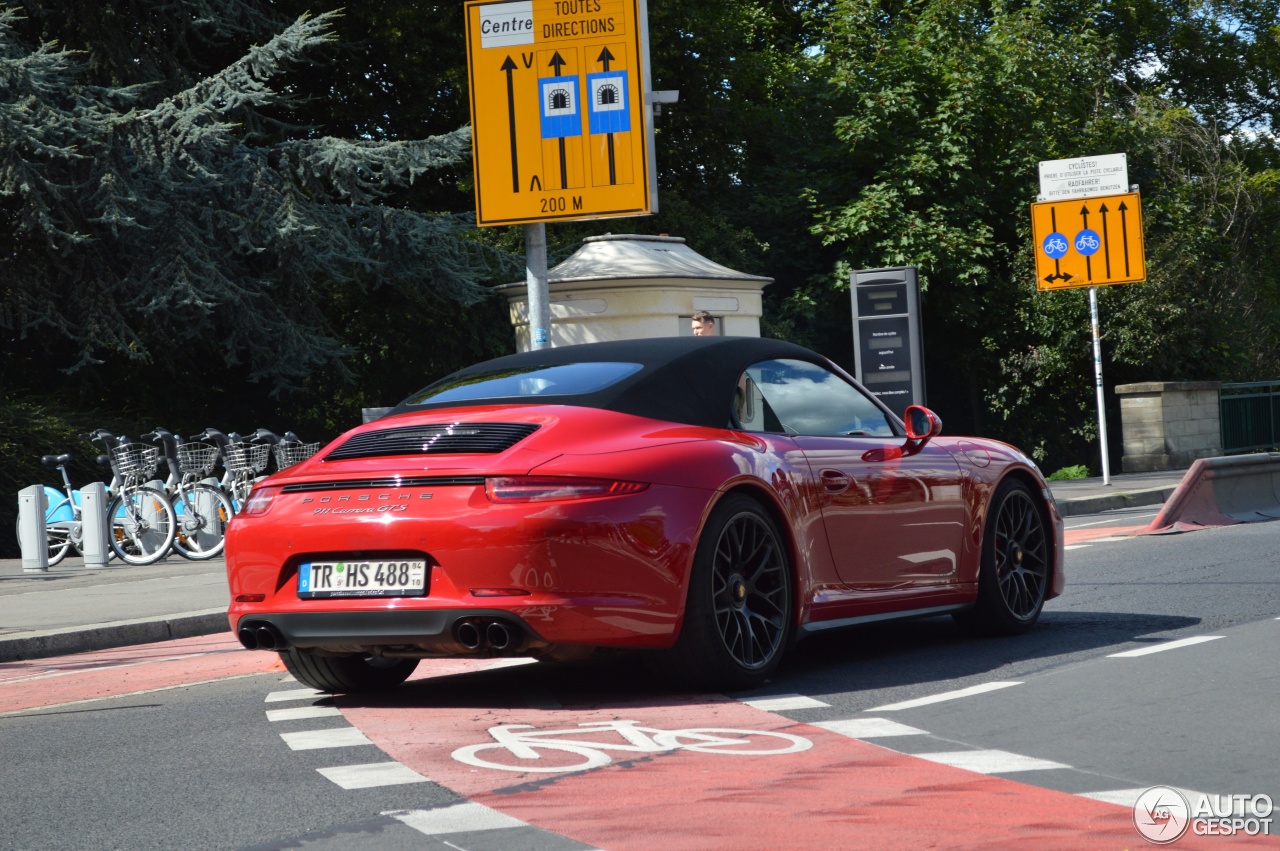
(1088,242)
(515,746)
(1055,246)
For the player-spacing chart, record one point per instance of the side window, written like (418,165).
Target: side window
(797,397)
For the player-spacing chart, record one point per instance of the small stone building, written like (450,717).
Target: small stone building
(1167,425)
(631,286)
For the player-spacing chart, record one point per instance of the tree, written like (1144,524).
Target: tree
(193,227)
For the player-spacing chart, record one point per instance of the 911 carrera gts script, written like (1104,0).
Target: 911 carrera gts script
(381,509)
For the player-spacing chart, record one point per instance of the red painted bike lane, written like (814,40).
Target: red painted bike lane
(127,670)
(838,793)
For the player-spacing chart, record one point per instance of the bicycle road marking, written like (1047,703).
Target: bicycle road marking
(524,742)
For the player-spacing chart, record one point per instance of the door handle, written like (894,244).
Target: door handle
(834,481)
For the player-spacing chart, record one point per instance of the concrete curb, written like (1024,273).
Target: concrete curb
(45,643)
(1112,501)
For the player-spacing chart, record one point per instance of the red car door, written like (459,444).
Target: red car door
(892,508)
(893,519)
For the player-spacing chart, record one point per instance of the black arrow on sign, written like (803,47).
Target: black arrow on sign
(1124,236)
(1106,243)
(1058,274)
(1088,264)
(556,62)
(604,59)
(510,66)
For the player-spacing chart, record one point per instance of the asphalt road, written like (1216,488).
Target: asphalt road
(182,763)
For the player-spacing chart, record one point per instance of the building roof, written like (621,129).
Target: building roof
(630,256)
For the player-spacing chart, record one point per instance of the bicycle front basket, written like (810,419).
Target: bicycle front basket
(288,454)
(135,462)
(248,456)
(197,459)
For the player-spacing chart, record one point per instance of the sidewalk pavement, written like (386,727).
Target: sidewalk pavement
(71,609)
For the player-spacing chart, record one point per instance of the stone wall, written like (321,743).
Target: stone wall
(1167,425)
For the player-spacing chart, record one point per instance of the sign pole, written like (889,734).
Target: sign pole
(1097,380)
(535,260)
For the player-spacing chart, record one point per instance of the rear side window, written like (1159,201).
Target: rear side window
(798,397)
(569,379)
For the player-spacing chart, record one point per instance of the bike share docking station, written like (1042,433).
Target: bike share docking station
(887,339)
(89,532)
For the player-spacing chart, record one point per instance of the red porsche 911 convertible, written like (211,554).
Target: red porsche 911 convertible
(711,499)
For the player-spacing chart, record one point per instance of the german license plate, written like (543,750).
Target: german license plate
(395,578)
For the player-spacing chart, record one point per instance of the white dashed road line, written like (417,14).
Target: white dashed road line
(948,695)
(869,728)
(458,818)
(1160,648)
(372,775)
(991,761)
(338,737)
(783,702)
(293,694)
(298,713)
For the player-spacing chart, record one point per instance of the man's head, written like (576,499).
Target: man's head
(704,324)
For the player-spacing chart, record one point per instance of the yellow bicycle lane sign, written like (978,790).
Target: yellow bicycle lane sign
(1089,242)
(558,116)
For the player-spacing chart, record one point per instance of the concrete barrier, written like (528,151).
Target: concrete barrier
(1222,492)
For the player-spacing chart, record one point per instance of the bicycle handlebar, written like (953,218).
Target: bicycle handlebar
(262,435)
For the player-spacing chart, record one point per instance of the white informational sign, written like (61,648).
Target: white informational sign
(1107,174)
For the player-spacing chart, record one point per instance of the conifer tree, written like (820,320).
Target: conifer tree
(180,220)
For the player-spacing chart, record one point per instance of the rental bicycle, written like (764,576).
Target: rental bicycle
(143,523)
(202,510)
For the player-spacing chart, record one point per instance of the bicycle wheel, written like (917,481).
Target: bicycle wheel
(58,536)
(744,742)
(202,515)
(142,525)
(581,759)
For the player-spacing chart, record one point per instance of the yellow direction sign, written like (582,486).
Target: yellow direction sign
(558,116)
(1089,242)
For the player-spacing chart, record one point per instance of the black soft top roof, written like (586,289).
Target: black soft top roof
(682,379)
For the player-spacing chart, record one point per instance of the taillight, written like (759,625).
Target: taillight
(555,488)
(260,500)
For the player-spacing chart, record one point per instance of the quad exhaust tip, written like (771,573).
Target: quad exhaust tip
(261,636)
(492,635)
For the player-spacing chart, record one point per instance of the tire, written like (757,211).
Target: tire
(202,514)
(737,619)
(142,525)
(346,673)
(1013,580)
(59,539)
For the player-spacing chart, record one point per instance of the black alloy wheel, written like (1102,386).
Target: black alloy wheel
(1016,563)
(749,589)
(738,618)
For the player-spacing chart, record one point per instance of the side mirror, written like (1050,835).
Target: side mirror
(922,423)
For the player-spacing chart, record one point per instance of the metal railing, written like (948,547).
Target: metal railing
(1250,416)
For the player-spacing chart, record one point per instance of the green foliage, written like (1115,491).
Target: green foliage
(1065,474)
(240,213)
(165,228)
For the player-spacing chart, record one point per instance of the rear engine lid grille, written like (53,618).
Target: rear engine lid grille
(451,439)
